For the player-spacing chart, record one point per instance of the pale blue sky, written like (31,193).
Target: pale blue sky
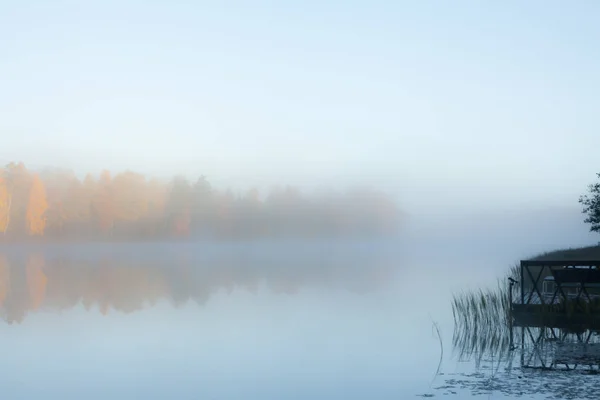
(454,102)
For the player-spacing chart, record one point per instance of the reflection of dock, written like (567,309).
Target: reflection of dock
(576,353)
(551,348)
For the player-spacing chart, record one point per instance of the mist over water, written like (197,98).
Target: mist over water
(189,319)
(266,200)
(250,319)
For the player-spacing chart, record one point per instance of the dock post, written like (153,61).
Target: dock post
(522,284)
(510,314)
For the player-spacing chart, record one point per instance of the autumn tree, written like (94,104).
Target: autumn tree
(36,208)
(77,205)
(57,183)
(129,198)
(56,202)
(178,208)
(225,203)
(5,203)
(103,208)
(18,182)
(203,207)
(156,199)
(84,202)
(248,215)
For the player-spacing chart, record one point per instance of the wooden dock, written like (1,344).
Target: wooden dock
(561,308)
(551,316)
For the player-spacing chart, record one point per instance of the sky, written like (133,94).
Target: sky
(440,103)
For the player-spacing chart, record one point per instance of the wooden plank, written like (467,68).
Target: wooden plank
(576,275)
(539,315)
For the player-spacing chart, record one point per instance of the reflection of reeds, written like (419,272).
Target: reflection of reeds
(481,321)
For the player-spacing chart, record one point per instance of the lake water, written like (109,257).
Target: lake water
(262,320)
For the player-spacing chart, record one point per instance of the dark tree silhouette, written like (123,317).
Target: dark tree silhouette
(591,206)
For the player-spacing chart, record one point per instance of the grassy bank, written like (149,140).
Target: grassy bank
(580,253)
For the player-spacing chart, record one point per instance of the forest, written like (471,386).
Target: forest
(55,204)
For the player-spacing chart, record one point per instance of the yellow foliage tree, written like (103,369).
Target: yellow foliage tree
(129,194)
(36,208)
(102,206)
(4,205)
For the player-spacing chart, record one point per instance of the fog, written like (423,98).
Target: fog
(261,200)
(294,318)
(120,286)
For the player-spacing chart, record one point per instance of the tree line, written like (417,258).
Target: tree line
(56,204)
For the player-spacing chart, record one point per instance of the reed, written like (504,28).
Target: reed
(481,320)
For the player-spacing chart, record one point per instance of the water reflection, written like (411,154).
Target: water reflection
(31,282)
(481,324)
(539,361)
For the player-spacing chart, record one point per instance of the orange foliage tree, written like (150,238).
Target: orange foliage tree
(129,199)
(103,209)
(36,208)
(178,207)
(4,205)
(56,203)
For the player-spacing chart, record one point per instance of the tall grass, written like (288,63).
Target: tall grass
(481,320)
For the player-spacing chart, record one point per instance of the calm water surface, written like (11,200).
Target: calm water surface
(239,321)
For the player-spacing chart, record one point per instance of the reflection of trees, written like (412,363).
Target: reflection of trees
(4,278)
(21,288)
(36,280)
(128,284)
